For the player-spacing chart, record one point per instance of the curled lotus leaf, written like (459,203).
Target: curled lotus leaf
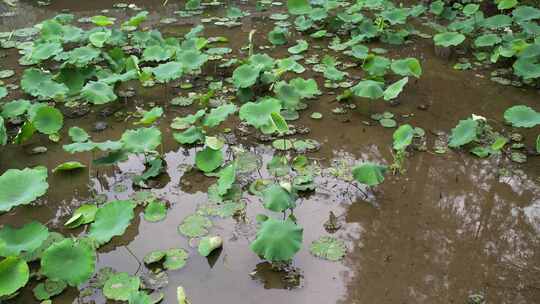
(21,187)
(278,240)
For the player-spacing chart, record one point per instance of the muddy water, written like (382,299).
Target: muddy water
(451,226)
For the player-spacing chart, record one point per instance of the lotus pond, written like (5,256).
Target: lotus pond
(368,151)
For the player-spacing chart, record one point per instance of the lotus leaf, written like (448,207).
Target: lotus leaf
(299,7)
(259,114)
(227,177)
(487,40)
(368,89)
(245,76)
(101,20)
(209,244)
(497,22)
(369,174)
(141,140)
(448,39)
(111,220)
(3,132)
(82,56)
(218,115)
(98,38)
(168,71)
(463,133)
(26,239)
(522,116)
(189,136)
(277,199)
(151,116)
(191,59)
(278,36)
(49,289)
(70,261)
(40,84)
(393,90)
(156,53)
(526,13)
(68,166)
(175,258)
(328,248)
(376,65)
(46,50)
(155,211)
(195,226)
(208,159)
(14,274)
(403,137)
(21,187)
(301,46)
(78,134)
(98,92)
(120,286)
(407,67)
(278,240)
(85,214)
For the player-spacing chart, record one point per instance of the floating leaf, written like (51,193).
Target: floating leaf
(277,199)
(98,92)
(21,187)
(278,240)
(463,133)
(328,248)
(120,286)
(403,137)
(175,258)
(15,108)
(25,239)
(448,39)
(111,220)
(85,214)
(209,244)
(393,90)
(155,211)
(195,226)
(370,174)
(141,140)
(69,261)
(68,166)
(189,136)
(522,116)
(78,134)
(208,159)
(49,289)
(48,120)
(14,274)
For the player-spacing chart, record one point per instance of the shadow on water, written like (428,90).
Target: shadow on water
(452,226)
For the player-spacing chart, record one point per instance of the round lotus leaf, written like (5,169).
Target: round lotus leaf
(111,220)
(48,289)
(15,108)
(369,174)
(175,258)
(120,286)
(98,92)
(191,59)
(21,187)
(208,159)
(245,76)
(328,248)
(448,39)
(154,256)
(463,133)
(41,84)
(407,67)
(25,239)
(522,116)
(195,226)
(141,140)
(368,89)
(278,240)
(155,211)
(388,123)
(14,274)
(70,261)
(209,244)
(277,199)
(78,134)
(299,7)
(168,71)
(48,120)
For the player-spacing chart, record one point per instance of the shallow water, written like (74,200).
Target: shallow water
(447,228)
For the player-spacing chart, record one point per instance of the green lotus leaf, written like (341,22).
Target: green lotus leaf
(522,116)
(328,248)
(497,22)
(48,120)
(25,239)
(464,133)
(393,90)
(154,168)
(102,20)
(48,289)
(448,39)
(82,56)
(403,137)
(46,50)
(180,123)
(191,59)
(525,13)
(175,258)
(15,108)
(154,257)
(487,40)
(111,220)
(189,136)
(40,84)
(407,67)
(376,65)
(287,94)
(223,209)
(299,7)
(195,226)
(301,46)
(136,20)
(305,88)
(370,174)
(259,114)
(21,187)
(278,36)
(70,261)
(168,71)
(99,38)
(68,166)
(437,7)
(538,144)
(85,214)
(151,116)
(120,286)
(368,89)
(277,199)
(98,92)
(78,134)
(3,92)
(218,115)
(14,274)
(227,177)
(279,122)
(208,159)
(526,67)
(209,244)
(156,53)
(155,211)
(470,9)
(141,140)
(278,240)
(141,297)
(245,76)
(3,132)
